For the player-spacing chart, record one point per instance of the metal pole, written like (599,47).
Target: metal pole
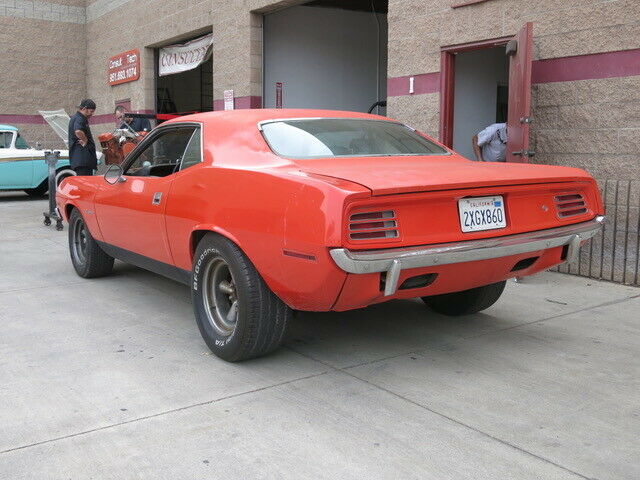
(51,158)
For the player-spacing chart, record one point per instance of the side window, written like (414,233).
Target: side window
(161,157)
(5,139)
(21,143)
(193,154)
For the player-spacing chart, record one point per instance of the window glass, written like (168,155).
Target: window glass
(161,157)
(5,139)
(345,137)
(192,154)
(21,143)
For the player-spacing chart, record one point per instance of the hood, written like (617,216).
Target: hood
(390,175)
(58,120)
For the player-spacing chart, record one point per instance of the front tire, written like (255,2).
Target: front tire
(239,317)
(88,259)
(467,301)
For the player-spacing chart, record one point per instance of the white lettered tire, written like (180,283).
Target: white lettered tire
(239,317)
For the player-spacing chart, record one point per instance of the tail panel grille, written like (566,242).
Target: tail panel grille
(570,205)
(373,225)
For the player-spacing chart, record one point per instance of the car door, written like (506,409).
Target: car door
(16,166)
(131,213)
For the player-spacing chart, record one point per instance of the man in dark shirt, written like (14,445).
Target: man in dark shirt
(82,148)
(126,122)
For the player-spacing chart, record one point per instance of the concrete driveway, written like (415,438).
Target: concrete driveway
(109,379)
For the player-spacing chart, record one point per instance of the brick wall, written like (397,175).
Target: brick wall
(42,62)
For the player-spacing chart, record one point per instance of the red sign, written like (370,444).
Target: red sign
(124,67)
(279,95)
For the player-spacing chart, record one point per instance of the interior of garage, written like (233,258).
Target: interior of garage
(480,94)
(326,54)
(190,91)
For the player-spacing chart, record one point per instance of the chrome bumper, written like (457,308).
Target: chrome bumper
(394,260)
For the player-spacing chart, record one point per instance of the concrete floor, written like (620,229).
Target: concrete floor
(109,379)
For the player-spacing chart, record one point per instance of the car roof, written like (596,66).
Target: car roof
(256,115)
(8,127)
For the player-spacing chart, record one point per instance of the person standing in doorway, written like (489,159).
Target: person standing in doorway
(82,148)
(490,144)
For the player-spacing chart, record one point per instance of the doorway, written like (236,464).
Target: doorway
(184,92)
(479,82)
(481,95)
(327,54)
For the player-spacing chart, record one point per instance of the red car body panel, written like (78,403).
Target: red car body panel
(286,215)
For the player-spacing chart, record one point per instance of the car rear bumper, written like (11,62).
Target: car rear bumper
(393,261)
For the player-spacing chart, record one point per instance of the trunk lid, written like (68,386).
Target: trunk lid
(413,174)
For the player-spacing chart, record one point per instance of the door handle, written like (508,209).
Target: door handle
(157,198)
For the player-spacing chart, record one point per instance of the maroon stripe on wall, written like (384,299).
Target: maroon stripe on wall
(623,63)
(423,83)
(24,119)
(240,103)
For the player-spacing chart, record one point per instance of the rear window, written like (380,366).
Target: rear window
(345,137)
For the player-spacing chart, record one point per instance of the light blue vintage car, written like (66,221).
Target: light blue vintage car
(23,167)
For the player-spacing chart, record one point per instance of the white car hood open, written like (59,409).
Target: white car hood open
(59,121)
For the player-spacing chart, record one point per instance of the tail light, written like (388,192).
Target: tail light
(570,205)
(373,225)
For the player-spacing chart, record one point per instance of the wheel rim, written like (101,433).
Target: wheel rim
(220,298)
(79,242)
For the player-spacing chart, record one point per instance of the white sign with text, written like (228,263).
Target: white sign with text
(185,56)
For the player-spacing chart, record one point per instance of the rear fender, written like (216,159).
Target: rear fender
(202,229)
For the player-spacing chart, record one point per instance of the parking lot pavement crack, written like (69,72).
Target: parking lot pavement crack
(345,371)
(161,414)
(553,317)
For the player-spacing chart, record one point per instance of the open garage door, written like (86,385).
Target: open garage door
(326,54)
(184,77)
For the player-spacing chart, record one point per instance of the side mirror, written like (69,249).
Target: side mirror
(113,175)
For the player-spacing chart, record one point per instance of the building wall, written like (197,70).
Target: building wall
(42,63)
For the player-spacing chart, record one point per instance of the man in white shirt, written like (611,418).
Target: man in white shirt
(490,145)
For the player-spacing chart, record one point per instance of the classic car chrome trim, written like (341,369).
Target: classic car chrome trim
(394,260)
(26,159)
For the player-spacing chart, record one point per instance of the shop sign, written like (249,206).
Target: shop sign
(124,67)
(228,100)
(186,56)
(278,94)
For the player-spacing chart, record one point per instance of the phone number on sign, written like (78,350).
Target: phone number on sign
(123,74)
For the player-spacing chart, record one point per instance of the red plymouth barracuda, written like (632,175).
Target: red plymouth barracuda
(263,212)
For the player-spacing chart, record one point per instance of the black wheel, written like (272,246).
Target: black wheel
(59,226)
(239,317)
(467,301)
(38,191)
(47,221)
(87,257)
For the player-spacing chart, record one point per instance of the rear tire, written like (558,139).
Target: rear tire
(87,257)
(239,317)
(467,301)
(38,191)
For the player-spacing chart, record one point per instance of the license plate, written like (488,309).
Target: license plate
(481,213)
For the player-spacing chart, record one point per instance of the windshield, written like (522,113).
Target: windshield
(345,137)
(21,143)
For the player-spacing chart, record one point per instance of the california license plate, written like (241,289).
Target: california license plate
(482,213)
